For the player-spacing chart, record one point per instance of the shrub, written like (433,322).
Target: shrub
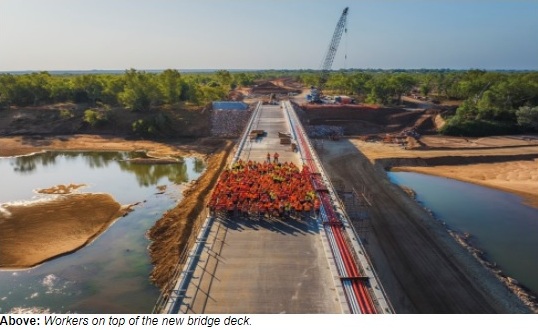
(456,126)
(528,117)
(144,128)
(66,114)
(94,117)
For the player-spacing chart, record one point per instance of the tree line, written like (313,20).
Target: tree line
(491,102)
(134,90)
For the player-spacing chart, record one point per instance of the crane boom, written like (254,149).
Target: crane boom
(329,56)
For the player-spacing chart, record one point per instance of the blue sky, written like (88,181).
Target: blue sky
(261,34)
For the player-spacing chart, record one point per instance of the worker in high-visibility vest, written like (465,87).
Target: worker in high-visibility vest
(287,209)
(308,208)
(317,206)
(299,209)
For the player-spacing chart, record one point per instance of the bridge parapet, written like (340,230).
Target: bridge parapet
(364,292)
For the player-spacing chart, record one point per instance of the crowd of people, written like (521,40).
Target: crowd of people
(257,189)
(229,123)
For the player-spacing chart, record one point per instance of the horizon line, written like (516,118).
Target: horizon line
(251,70)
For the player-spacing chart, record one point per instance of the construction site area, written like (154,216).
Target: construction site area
(294,211)
(423,269)
(414,265)
(356,144)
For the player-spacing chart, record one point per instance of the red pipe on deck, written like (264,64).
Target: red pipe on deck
(359,288)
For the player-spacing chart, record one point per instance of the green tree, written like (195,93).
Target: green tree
(358,83)
(310,79)
(88,88)
(211,93)
(467,111)
(140,91)
(171,86)
(190,91)
(35,87)
(401,83)
(426,83)
(444,84)
(7,89)
(144,128)
(244,79)
(113,86)
(338,83)
(380,90)
(224,78)
(528,117)
(60,89)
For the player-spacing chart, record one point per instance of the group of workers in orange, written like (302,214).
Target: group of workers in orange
(255,189)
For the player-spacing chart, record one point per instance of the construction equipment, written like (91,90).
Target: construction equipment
(316,92)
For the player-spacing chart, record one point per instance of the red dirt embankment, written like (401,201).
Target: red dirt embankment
(365,119)
(271,88)
(176,231)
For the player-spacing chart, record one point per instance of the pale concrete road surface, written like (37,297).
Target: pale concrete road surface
(268,265)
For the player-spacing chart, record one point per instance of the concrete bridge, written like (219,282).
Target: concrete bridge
(310,265)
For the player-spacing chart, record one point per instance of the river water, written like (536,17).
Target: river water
(499,223)
(110,275)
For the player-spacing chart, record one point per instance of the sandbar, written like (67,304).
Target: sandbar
(34,233)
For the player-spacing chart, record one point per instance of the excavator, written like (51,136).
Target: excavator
(315,95)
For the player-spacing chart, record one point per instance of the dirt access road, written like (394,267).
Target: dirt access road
(421,267)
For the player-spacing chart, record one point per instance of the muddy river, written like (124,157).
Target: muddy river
(110,275)
(499,223)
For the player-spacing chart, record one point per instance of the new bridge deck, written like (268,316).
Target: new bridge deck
(261,266)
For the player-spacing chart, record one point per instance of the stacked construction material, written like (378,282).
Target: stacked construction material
(229,123)
(254,189)
(324,131)
(285,138)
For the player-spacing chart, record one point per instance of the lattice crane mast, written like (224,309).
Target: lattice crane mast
(315,93)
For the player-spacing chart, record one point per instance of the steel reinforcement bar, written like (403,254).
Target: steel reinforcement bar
(357,286)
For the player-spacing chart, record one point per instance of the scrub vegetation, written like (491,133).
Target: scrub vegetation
(486,102)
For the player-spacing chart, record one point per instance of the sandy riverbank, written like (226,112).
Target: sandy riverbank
(23,145)
(506,163)
(520,178)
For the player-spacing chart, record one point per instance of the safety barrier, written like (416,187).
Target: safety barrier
(173,292)
(244,136)
(354,283)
